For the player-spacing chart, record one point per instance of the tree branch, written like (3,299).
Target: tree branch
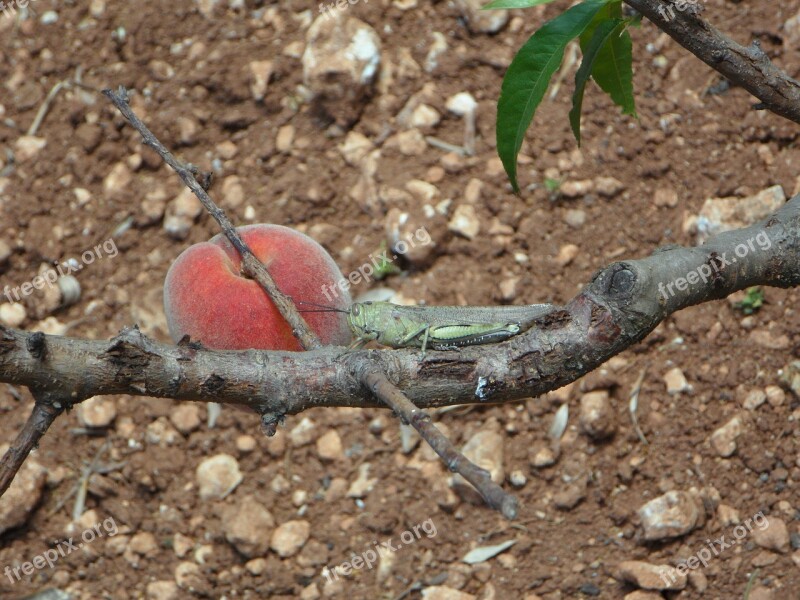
(747,67)
(618,308)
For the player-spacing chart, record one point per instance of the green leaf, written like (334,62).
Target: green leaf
(494,4)
(605,30)
(528,76)
(613,71)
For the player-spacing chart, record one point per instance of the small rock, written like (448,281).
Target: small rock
(517,478)
(233,194)
(461,104)
(118,181)
(12,314)
(567,254)
(485,449)
(246,443)
(676,382)
(257,566)
(608,186)
(23,495)
(160,432)
(724,439)
(422,190)
(575,218)
(465,221)
(5,251)
(761,593)
(508,288)
(247,526)
(303,433)
(640,595)
(340,65)
(363,484)
(182,545)
(285,139)
(424,117)
(188,129)
(161,70)
(143,543)
(543,457)
(725,214)
(727,515)
(671,515)
(479,20)
(570,496)
(355,148)
(770,340)
(181,214)
(698,580)
(260,73)
(227,150)
(410,142)
(775,396)
(576,189)
(185,417)
(651,577)
(665,197)
(754,399)
(773,536)
(162,590)
(289,538)
(153,206)
(473,191)
(188,576)
(27,147)
(441,592)
(97,412)
(218,476)
(329,446)
(597,415)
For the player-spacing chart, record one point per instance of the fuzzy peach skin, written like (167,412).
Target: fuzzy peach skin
(206,297)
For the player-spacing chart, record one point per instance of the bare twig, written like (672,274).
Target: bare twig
(495,497)
(633,405)
(252,267)
(39,421)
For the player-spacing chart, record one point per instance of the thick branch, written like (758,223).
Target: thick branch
(622,304)
(747,67)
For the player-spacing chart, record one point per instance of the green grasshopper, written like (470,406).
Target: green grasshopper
(438,327)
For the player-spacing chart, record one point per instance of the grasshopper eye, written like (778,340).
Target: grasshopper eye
(356,310)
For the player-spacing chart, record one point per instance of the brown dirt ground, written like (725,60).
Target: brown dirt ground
(714,145)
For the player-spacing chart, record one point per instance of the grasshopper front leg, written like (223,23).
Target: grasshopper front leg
(425,331)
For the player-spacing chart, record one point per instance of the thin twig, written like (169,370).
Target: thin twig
(633,405)
(377,382)
(39,421)
(252,267)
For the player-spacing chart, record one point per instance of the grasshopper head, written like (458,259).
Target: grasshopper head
(360,322)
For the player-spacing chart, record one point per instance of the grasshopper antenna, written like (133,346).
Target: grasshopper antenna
(320,308)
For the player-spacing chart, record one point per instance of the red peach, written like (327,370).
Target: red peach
(206,297)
